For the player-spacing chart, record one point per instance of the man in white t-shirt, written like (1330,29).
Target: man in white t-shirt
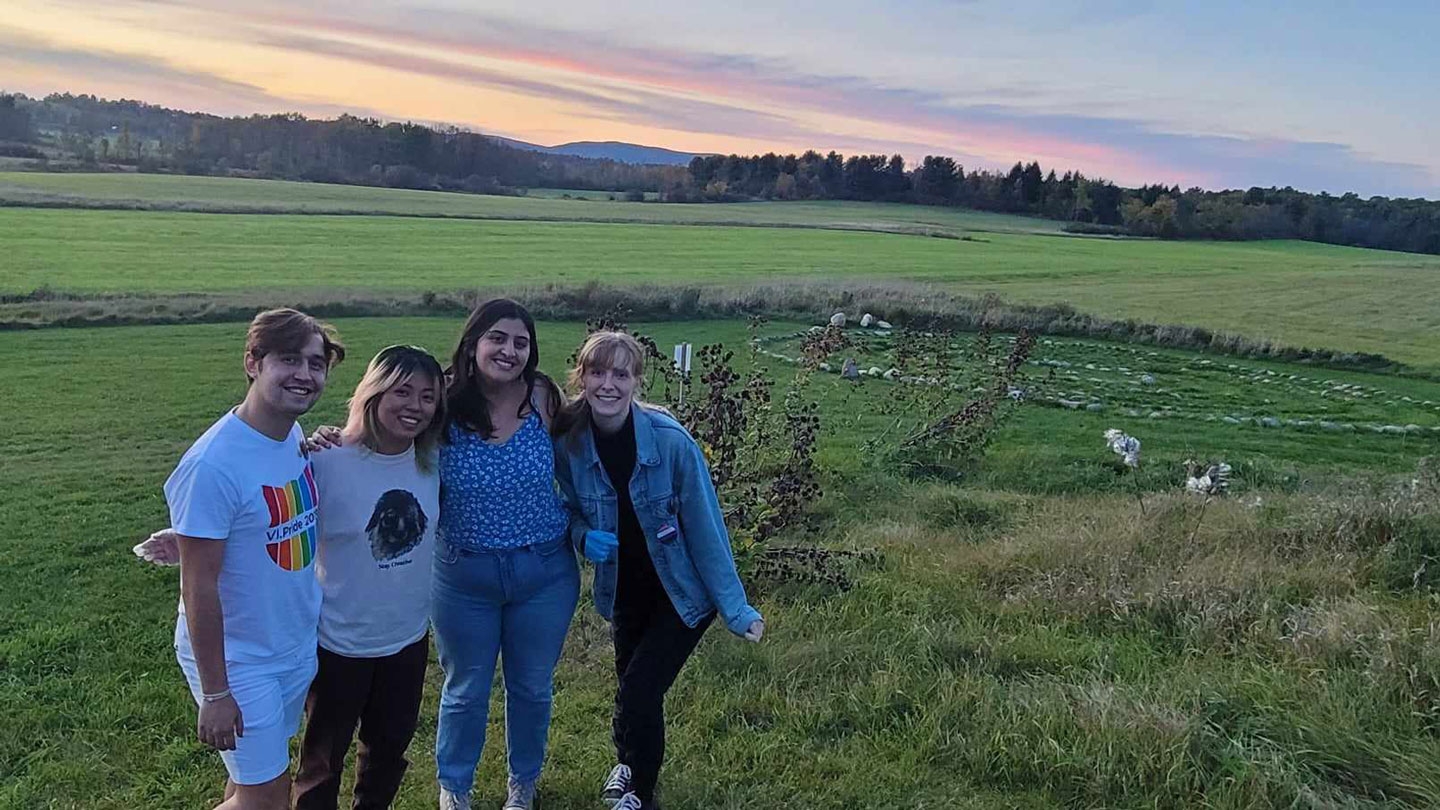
(244,505)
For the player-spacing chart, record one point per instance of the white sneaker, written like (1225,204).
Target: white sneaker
(454,801)
(522,796)
(629,802)
(616,785)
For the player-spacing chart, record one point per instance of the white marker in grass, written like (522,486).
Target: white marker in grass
(682,365)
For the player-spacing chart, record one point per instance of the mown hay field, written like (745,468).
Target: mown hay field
(237,195)
(1291,293)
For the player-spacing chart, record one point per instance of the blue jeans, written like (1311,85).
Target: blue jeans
(515,604)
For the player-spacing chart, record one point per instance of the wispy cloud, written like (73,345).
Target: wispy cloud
(21,50)
(982,116)
(628,104)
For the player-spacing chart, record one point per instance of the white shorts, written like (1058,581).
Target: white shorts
(271,697)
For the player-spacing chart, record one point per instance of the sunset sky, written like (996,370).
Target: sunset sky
(1321,95)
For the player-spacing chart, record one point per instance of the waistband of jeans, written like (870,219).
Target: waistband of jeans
(481,551)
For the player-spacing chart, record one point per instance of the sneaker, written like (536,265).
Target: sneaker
(628,802)
(454,801)
(616,785)
(522,796)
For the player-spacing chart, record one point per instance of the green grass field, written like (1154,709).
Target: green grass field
(1033,637)
(1293,293)
(1031,640)
(238,195)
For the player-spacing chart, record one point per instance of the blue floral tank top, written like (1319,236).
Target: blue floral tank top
(499,496)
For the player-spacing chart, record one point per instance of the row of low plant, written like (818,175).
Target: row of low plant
(918,306)
(1146,383)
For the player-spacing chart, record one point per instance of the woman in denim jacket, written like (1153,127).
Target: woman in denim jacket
(644,510)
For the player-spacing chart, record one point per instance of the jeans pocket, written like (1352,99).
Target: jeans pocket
(446,553)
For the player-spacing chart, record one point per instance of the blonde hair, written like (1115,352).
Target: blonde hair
(391,367)
(606,349)
(602,350)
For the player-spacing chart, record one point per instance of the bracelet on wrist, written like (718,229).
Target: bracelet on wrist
(215,697)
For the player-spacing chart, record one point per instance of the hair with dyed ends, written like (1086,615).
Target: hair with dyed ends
(286,331)
(465,401)
(602,350)
(391,367)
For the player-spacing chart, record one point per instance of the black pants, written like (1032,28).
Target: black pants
(382,695)
(651,646)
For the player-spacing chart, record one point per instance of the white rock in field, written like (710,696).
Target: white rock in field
(1147,379)
(882,325)
(838,319)
(873,371)
(824,366)
(1269,422)
(1095,407)
(1069,403)
(1230,420)
(891,374)
(866,320)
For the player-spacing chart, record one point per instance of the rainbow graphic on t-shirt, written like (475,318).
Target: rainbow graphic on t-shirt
(294,500)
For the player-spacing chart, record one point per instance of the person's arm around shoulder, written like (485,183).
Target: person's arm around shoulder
(547,400)
(703,527)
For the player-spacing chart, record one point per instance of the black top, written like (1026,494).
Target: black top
(638,585)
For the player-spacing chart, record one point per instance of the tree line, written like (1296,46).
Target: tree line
(1089,204)
(364,151)
(347,149)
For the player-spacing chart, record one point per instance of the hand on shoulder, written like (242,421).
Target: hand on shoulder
(324,438)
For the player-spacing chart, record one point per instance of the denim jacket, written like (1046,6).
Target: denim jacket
(678,511)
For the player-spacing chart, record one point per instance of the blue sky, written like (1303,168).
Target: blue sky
(1334,96)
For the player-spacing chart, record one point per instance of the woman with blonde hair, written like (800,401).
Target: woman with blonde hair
(644,511)
(379,506)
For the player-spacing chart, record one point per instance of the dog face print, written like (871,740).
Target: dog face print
(396,526)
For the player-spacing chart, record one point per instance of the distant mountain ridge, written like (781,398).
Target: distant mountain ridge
(608,150)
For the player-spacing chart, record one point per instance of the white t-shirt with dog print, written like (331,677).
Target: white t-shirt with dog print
(237,486)
(377,536)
